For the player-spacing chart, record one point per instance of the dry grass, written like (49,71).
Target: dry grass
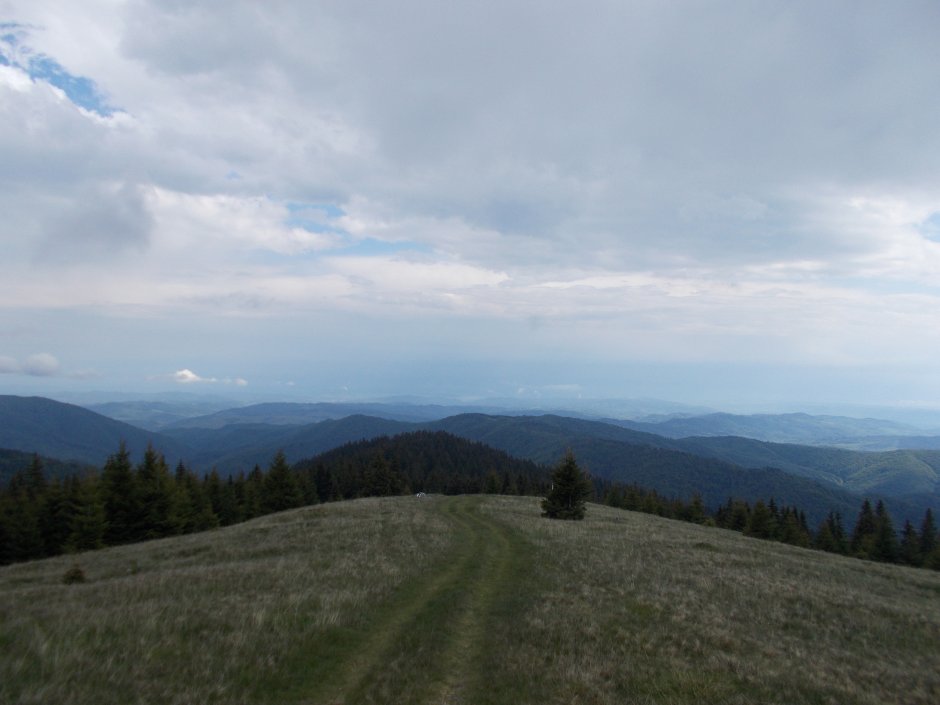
(207,617)
(631,608)
(470,600)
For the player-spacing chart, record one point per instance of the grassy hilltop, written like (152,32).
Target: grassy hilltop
(467,600)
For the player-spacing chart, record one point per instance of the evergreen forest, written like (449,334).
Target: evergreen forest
(123,503)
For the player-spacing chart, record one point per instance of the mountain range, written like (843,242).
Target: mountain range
(819,479)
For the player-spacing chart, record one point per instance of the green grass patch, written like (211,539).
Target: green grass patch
(473,600)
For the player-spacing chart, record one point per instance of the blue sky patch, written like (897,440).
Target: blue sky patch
(930,228)
(371,247)
(314,217)
(82,91)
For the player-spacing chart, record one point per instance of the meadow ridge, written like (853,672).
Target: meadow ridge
(469,599)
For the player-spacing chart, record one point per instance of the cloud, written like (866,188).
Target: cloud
(671,180)
(187,376)
(36,365)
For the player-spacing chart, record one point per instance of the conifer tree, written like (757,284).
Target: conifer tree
(569,491)
(831,535)
(491,483)
(885,546)
(89,522)
(928,535)
(762,523)
(382,478)
(55,515)
(863,536)
(122,504)
(157,496)
(280,490)
(909,553)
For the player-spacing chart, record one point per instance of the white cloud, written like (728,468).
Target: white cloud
(36,365)
(187,376)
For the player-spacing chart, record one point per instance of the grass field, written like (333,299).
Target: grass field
(467,600)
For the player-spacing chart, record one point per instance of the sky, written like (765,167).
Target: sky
(721,203)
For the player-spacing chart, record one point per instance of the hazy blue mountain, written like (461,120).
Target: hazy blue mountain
(817,479)
(779,428)
(156,415)
(239,447)
(880,443)
(620,455)
(893,473)
(69,432)
(611,451)
(296,413)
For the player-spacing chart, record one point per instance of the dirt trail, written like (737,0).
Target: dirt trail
(424,646)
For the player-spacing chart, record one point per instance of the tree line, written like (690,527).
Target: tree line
(873,536)
(125,503)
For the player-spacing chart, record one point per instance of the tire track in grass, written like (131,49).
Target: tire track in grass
(471,626)
(402,663)
(407,648)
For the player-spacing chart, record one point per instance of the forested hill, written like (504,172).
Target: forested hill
(68,432)
(421,461)
(631,457)
(14,461)
(832,479)
(239,447)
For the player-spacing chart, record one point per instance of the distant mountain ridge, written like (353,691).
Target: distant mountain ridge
(798,428)
(69,432)
(819,479)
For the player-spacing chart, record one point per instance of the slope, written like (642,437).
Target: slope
(892,474)
(779,428)
(69,432)
(14,461)
(467,599)
(632,457)
(239,447)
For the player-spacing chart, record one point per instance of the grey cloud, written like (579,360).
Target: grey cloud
(641,108)
(101,224)
(626,133)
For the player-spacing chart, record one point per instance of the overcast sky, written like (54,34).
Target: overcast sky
(714,202)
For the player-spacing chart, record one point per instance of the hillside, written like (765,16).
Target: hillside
(239,447)
(806,429)
(467,599)
(69,432)
(14,461)
(713,468)
(422,461)
(632,457)
(891,474)
(817,479)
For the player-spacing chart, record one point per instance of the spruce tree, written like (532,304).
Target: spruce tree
(121,497)
(570,488)
(910,545)
(89,522)
(279,488)
(762,523)
(157,495)
(863,536)
(885,547)
(928,535)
